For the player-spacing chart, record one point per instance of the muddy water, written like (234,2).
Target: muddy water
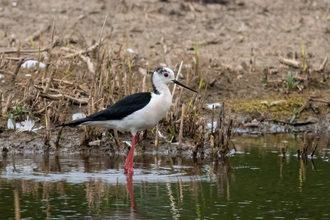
(257,182)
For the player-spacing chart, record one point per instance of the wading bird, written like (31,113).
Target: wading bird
(136,112)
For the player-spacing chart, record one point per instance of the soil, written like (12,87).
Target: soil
(236,42)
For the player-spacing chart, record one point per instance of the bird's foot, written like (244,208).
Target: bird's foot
(128,171)
(126,168)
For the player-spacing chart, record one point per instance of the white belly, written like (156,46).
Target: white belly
(145,118)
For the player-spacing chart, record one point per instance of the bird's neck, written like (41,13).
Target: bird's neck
(161,88)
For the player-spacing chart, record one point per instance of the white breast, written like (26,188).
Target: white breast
(145,118)
(149,116)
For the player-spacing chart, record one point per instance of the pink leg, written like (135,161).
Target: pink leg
(129,161)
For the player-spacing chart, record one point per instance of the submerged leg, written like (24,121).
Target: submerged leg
(129,161)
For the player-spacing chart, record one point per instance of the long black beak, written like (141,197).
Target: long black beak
(180,84)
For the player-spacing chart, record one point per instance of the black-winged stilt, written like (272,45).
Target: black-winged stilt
(136,112)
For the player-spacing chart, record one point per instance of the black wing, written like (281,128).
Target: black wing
(119,110)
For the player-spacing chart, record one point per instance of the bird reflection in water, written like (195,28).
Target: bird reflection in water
(129,182)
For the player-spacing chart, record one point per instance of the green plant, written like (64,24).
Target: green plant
(17,112)
(290,83)
(295,115)
(200,83)
(171,133)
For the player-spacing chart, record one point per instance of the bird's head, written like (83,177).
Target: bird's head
(166,75)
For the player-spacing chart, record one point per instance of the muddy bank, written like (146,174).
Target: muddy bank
(71,140)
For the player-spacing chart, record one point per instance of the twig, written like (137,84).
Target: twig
(181,126)
(4,110)
(50,46)
(252,61)
(60,91)
(192,9)
(53,30)
(177,77)
(289,62)
(49,81)
(100,39)
(321,68)
(60,96)
(71,83)
(212,119)
(43,109)
(57,146)
(167,56)
(70,50)
(36,34)
(18,66)
(232,144)
(90,65)
(105,19)
(144,83)
(7,72)
(83,52)
(47,137)
(156,138)
(117,138)
(319,100)
(314,149)
(272,71)
(12,58)
(212,140)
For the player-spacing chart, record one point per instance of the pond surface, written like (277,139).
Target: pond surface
(256,182)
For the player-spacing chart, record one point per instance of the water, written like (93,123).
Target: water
(255,183)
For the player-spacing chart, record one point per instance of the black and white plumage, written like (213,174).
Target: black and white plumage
(118,111)
(136,112)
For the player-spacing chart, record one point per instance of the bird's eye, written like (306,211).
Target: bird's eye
(166,75)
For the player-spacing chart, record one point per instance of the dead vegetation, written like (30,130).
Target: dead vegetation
(104,76)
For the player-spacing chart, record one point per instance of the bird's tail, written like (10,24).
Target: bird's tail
(75,122)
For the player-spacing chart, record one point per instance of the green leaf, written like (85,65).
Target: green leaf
(295,84)
(14,122)
(292,118)
(32,42)
(170,130)
(200,83)
(295,111)
(196,49)
(289,80)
